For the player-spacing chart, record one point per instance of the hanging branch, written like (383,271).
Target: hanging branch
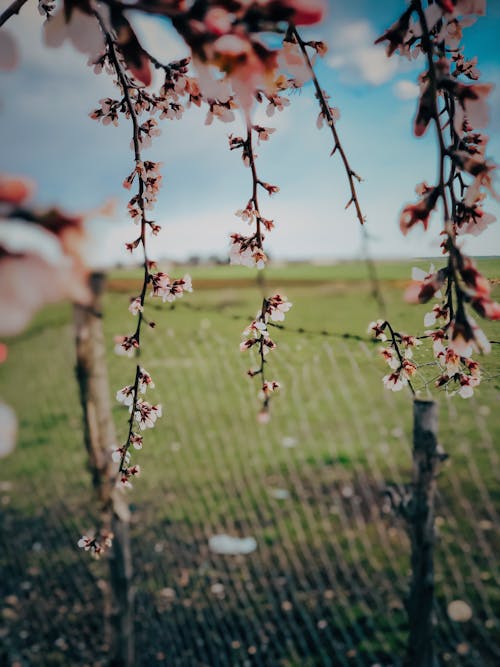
(448,103)
(132,342)
(330,115)
(248,250)
(135,99)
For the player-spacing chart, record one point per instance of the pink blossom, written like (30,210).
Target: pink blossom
(437,312)
(437,336)
(451,361)
(146,414)
(80,28)
(390,357)
(34,271)
(487,308)
(466,337)
(145,381)
(15,189)
(305,12)
(408,368)
(247,214)
(290,58)
(419,212)
(477,222)
(377,329)
(276,102)
(425,285)
(425,110)
(126,395)
(397,33)
(147,131)
(119,454)
(271,189)
(466,390)
(267,344)
(136,59)
(277,306)
(248,66)
(473,368)
(268,388)
(263,133)
(472,101)
(247,344)
(264,416)
(46,7)
(467,7)
(136,440)
(126,345)
(247,251)
(96,546)
(218,21)
(85,542)
(126,474)
(394,381)
(482,170)
(408,343)
(168,289)
(136,306)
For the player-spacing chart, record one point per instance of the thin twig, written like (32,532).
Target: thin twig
(352,176)
(255,184)
(11,10)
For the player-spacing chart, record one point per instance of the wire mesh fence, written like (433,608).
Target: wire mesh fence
(327,580)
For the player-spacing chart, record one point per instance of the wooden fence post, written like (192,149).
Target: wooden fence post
(420,517)
(100,438)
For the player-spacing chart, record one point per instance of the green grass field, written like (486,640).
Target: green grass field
(330,571)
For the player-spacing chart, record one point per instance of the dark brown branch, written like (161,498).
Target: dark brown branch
(11,10)
(337,146)
(255,184)
(352,176)
(126,86)
(433,83)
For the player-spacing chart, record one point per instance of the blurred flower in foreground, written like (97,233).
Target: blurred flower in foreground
(40,260)
(8,430)
(40,263)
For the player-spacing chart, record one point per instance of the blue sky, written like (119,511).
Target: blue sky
(79,164)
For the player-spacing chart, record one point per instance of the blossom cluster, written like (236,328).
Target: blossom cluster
(249,250)
(228,39)
(457,108)
(233,61)
(177,92)
(41,262)
(39,247)
(169,289)
(256,335)
(96,545)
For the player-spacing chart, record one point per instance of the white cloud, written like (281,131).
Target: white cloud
(358,59)
(406,90)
